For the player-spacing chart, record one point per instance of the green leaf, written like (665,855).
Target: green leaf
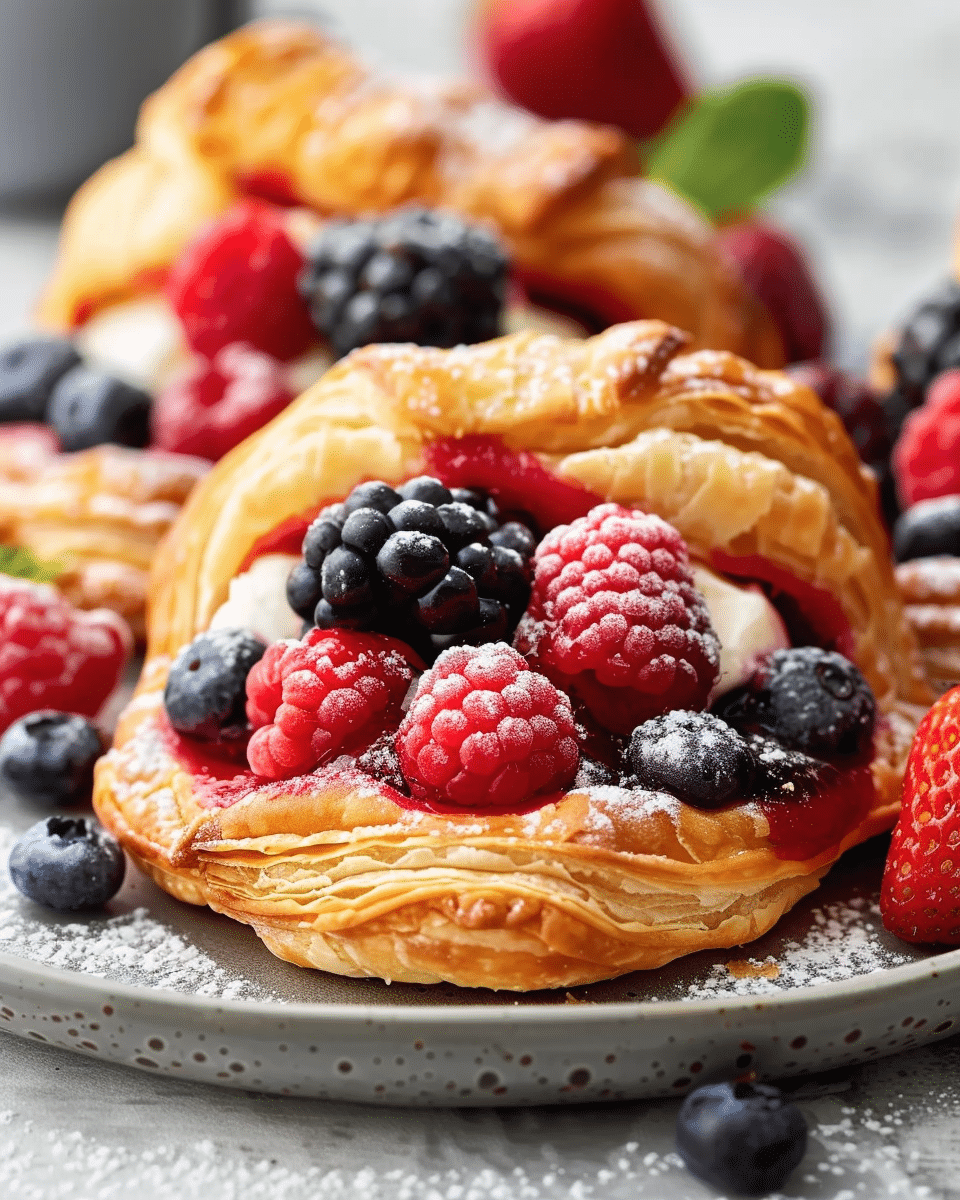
(15,560)
(732,147)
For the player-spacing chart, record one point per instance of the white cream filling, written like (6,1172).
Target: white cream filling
(746,624)
(258,600)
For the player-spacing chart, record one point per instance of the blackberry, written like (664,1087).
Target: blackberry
(929,343)
(67,863)
(413,276)
(742,1138)
(425,563)
(48,757)
(807,699)
(206,692)
(88,408)
(693,756)
(28,372)
(928,528)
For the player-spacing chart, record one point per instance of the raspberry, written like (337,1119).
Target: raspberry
(308,700)
(614,618)
(54,656)
(237,282)
(215,405)
(926,461)
(486,730)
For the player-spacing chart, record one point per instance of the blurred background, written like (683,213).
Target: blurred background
(874,208)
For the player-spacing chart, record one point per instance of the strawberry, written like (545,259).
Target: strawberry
(920,897)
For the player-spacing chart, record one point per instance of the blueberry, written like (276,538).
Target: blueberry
(88,408)
(787,775)
(461,525)
(67,863)
(744,1138)
(808,699)
(346,579)
(304,589)
(414,562)
(366,529)
(452,606)
(427,489)
(28,372)
(694,756)
(593,773)
(929,528)
(206,694)
(48,758)
(515,536)
(375,494)
(418,517)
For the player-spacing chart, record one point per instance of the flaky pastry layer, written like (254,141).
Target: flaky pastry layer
(279,106)
(333,872)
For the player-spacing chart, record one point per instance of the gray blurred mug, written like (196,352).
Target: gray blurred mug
(73,74)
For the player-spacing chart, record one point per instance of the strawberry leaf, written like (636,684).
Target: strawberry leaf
(731,147)
(16,561)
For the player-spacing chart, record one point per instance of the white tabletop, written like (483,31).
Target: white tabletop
(876,209)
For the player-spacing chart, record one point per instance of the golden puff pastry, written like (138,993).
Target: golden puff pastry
(329,868)
(98,513)
(278,108)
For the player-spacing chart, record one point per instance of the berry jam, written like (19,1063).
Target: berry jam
(802,829)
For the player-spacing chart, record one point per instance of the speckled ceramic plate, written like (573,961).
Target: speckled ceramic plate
(168,988)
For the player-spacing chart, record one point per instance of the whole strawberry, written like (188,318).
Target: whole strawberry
(52,655)
(920,897)
(215,405)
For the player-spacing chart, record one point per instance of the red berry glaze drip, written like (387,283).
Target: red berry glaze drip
(237,282)
(920,897)
(309,700)
(615,620)
(484,730)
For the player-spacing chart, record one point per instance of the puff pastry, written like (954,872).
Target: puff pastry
(331,871)
(100,513)
(278,108)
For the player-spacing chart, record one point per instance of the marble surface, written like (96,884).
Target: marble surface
(876,209)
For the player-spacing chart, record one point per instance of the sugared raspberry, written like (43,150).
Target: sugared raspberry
(54,656)
(333,691)
(215,405)
(485,730)
(237,282)
(926,458)
(615,620)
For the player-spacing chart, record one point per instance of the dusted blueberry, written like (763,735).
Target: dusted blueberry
(461,526)
(48,758)
(67,863)
(514,536)
(28,372)
(927,529)
(322,537)
(346,581)
(427,489)
(366,529)
(451,606)
(745,1138)
(88,408)
(413,561)
(375,494)
(694,756)
(206,692)
(418,517)
(477,560)
(303,590)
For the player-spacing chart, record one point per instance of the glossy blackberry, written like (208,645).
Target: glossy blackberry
(88,408)
(929,343)
(807,699)
(47,758)
(413,276)
(67,863)
(205,696)
(693,756)
(742,1138)
(928,528)
(419,563)
(29,369)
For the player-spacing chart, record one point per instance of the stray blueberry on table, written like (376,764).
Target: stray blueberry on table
(67,863)
(693,756)
(88,408)
(744,1138)
(28,371)
(206,692)
(47,758)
